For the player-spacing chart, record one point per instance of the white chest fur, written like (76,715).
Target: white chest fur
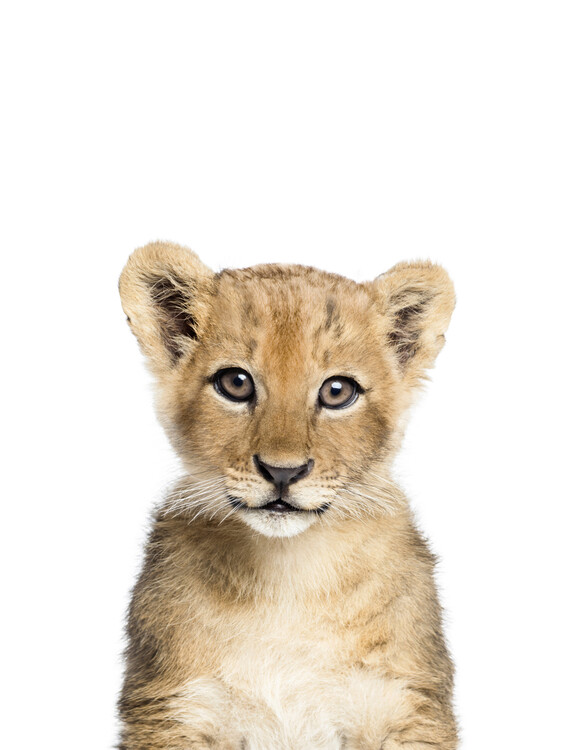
(285,690)
(283,686)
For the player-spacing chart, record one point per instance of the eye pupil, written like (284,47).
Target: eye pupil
(238,380)
(336,389)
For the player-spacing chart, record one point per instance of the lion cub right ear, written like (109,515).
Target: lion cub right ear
(165,290)
(417,300)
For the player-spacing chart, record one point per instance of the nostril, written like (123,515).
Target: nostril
(263,469)
(304,471)
(283,475)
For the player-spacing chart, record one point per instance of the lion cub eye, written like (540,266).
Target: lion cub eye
(234,384)
(338,393)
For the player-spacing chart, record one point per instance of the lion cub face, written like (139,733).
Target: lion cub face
(282,387)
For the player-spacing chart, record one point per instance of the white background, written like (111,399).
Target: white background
(344,135)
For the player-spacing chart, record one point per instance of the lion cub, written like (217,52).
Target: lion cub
(287,600)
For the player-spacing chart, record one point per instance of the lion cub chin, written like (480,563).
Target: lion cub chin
(287,599)
(278,524)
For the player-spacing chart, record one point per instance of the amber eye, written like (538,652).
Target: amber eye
(234,384)
(337,392)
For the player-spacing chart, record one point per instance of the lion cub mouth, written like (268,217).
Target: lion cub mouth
(277,506)
(280,506)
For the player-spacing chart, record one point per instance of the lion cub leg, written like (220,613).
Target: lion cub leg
(417,737)
(194,717)
(433,727)
(388,714)
(439,738)
(438,732)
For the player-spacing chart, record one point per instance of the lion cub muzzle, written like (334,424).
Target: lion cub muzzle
(281,477)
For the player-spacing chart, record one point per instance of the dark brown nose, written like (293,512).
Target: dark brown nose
(281,476)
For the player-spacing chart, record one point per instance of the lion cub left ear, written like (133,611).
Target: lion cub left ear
(417,300)
(165,290)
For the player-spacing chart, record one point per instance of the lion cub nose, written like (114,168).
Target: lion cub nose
(281,476)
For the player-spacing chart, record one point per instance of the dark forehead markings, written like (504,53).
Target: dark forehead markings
(332,315)
(250,315)
(333,323)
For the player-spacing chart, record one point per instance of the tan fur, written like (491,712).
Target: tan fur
(316,630)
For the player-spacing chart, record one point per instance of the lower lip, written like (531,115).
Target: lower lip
(279,507)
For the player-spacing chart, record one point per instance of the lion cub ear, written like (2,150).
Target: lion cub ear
(417,300)
(164,291)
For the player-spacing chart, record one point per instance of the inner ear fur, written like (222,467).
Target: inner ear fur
(417,300)
(165,290)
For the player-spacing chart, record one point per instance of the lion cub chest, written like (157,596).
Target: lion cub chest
(287,691)
(285,687)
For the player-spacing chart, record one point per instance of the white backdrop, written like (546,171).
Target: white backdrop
(344,135)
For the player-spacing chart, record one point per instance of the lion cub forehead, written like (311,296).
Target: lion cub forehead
(282,317)
(286,293)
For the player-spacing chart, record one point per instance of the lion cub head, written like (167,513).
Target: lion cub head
(283,387)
